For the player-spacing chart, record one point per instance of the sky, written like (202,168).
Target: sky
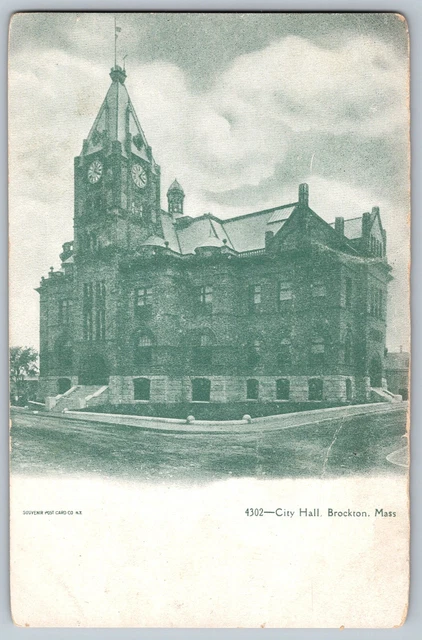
(241,108)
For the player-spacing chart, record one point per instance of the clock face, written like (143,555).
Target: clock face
(139,176)
(95,171)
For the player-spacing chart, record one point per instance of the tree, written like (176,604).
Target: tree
(23,363)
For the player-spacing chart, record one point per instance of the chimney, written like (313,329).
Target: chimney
(303,194)
(339,225)
(401,348)
(366,224)
(375,210)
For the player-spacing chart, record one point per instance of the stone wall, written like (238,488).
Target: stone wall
(228,389)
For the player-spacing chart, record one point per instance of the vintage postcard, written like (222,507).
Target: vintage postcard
(209,319)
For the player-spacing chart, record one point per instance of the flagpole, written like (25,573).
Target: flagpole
(115,42)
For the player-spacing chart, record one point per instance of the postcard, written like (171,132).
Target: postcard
(209,319)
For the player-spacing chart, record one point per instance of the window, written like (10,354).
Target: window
(315,389)
(255,297)
(144,349)
(285,291)
(318,289)
(282,389)
(65,312)
(348,350)
(349,293)
(349,392)
(253,354)
(87,309)
(202,353)
(137,209)
(317,351)
(376,306)
(252,387)
(141,389)
(201,390)
(100,309)
(205,298)
(284,357)
(144,297)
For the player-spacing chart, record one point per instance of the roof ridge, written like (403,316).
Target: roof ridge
(255,213)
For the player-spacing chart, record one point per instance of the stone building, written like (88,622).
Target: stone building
(157,306)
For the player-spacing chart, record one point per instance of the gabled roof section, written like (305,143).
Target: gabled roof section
(116,119)
(248,232)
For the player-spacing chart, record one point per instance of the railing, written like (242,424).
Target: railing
(253,252)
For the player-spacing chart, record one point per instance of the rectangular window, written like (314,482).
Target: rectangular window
(87,310)
(144,350)
(285,291)
(348,293)
(255,297)
(318,289)
(283,389)
(144,297)
(252,388)
(284,356)
(100,306)
(201,390)
(205,298)
(317,352)
(65,312)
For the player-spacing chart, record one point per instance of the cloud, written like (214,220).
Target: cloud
(239,131)
(235,136)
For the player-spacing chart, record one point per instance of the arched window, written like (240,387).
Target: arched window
(283,389)
(144,349)
(315,389)
(349,392)
(252,389)
(141,388)
(201,390)
(254,353)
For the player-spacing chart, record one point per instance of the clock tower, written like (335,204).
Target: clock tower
(117,182)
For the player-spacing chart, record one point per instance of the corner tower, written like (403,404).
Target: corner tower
(117,182)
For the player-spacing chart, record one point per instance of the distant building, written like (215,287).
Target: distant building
(397,372)
(156,306)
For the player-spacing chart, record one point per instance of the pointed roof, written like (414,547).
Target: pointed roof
(175,186)
(116,119)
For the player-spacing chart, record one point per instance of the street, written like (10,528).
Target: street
(50,444)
